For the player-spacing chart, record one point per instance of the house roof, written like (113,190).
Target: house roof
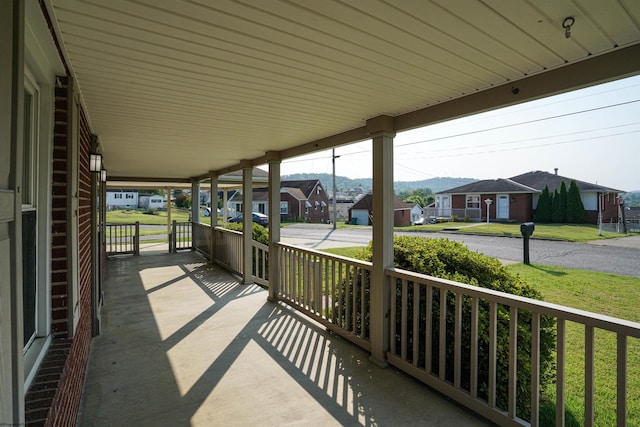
(500,185)
(304,185)
(295,192)
(538,179)
(367,203)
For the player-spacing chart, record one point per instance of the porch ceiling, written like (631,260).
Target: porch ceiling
(176,88)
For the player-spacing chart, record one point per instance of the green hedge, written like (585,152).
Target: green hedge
(454,261)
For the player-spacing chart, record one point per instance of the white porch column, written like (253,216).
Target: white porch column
(247,220)
(225,201)
(274,223)
(195,201)
(214,214)
(381,130)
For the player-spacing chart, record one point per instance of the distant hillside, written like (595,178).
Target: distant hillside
(632,198)
(343,183)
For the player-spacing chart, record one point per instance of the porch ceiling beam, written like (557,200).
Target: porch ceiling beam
(599,69)
(618,64)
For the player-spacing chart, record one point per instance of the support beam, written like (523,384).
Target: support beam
(214,215)
(381,131)
(247,221)
(195,201)
(274,224)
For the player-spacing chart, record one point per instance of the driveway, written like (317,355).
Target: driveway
(616,256)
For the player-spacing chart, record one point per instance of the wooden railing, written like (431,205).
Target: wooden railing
(228,249)
(180,236)
(332,290)
(435,355)
(202,239)
(260,263)
(122,239)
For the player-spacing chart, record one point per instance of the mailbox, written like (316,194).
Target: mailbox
(527,228)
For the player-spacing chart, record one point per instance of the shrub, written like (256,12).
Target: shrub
(543,210)
(454,261)
(454,218)
(151,211)
(258,233)
(575,207)
(467,218)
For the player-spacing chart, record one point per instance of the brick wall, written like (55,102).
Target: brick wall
(54,396)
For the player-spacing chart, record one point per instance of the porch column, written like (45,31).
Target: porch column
(11,125)
(247,220)
(225,201)
(274,223)
(214,214)
(381,130)
(195,201)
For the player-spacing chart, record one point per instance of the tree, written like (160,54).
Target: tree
(575,207)
(543,211)
(559,204)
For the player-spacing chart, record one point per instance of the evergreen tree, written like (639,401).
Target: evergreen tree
(543,211)
(575,207)
(559,204)
(555,208)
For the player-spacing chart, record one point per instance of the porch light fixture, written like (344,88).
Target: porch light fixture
(103,175)
(95,162)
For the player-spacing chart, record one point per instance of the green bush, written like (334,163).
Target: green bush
(258,233)
(467,218)
(452,260)
(454,218)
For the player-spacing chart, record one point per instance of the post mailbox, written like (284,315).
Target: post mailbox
(526,228)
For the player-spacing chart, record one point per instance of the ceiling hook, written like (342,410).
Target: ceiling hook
(567,24)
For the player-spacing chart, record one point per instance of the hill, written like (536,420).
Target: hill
(343,183)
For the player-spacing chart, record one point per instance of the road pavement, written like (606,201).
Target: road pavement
(616,256)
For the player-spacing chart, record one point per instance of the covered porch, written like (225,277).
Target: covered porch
(185,343)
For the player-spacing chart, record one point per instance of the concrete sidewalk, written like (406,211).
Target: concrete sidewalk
(184,344)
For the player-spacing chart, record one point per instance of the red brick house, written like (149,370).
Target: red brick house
(301,200)
(515,199)
(361,212)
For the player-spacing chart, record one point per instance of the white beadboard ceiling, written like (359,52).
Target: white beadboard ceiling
(176,88)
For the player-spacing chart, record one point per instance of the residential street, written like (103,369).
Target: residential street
(617,256)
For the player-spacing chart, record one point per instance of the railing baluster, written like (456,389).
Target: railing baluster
(621,383)
(403,319)
(535,369)
(513,360)
(560,370)
(416,322)
(457,355)
(443,335)
(473,387)
(428,331)
(493,344)
(347,304)
(363,306)
(588,375)
(393,316)
(354,299)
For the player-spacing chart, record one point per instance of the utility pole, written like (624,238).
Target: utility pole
(333,161)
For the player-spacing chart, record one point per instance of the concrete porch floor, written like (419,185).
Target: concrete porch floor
(184,344)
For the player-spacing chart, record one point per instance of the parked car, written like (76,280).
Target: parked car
(258,218)
(207,212)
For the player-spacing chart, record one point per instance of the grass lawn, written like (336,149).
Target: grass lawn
(159,218)
(568,232)
(602,293)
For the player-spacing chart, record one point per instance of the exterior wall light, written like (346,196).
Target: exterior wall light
(95,162)
(103,175)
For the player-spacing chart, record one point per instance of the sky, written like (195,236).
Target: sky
(592,135)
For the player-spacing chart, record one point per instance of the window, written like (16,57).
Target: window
(473,202)
(29,212)
(117,196)
(316,203)
(284,208)
(128,196)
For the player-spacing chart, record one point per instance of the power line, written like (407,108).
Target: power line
(520,123)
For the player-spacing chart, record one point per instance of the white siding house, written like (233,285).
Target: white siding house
(118,199)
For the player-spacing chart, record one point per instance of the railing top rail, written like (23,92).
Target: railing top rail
(260,245)
(600,321)
(118,223)
(201,224)
(226,230)
(346,260)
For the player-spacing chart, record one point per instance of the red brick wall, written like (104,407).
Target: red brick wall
(54,396)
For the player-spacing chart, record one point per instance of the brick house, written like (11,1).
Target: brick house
(300,200)
(515,199)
